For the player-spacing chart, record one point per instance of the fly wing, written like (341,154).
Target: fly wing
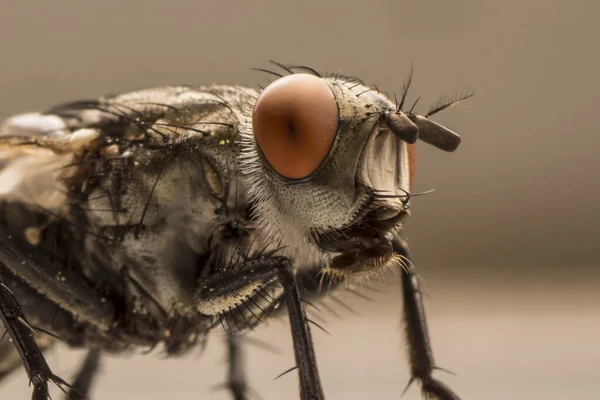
(33,148)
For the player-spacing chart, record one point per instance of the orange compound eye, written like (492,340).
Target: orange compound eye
(295,121)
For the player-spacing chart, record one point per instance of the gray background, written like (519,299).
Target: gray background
(506,244)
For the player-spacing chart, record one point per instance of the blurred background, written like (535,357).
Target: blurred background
(507,245)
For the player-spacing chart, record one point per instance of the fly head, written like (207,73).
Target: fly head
(329,163)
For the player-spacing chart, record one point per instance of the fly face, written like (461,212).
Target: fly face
(329,161)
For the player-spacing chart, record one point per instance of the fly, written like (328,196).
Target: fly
(153,217)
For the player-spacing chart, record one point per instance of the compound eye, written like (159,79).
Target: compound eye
(295,121)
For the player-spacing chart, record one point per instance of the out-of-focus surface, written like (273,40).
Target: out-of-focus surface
(526,346)
(508,242)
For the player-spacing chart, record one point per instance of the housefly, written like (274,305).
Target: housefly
(151,218)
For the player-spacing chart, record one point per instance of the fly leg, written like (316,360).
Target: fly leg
(10,359)
(23,336)
(306,360)
(236,376)
(223,285)
(420,354)
(85,377)
(71,293)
